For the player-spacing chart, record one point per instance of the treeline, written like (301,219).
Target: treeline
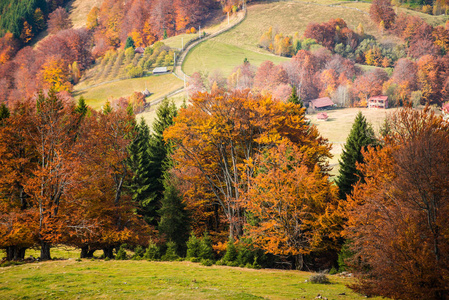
(323,74)
(26,18)
(74,176)
(433,7)
(418,37)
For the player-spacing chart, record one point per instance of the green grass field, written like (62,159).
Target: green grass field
(100,279)
(336,129)
(158,85)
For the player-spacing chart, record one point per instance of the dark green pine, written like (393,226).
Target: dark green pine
(174,224)
(81,107)
(141,181)
(361,135)
(159,151)
(4,112)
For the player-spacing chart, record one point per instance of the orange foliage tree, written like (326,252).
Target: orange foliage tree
(398,219)
(290,205)
(221,133)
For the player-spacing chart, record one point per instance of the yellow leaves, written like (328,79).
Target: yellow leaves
(54,74)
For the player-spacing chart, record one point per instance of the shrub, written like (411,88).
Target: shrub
(152,252)
(207,262)
(107,259)
(193,246)
(344,254)
(138,253)
(319,279)
(170,254)
(231,252)
(205,247)
(333,271)
(121,253)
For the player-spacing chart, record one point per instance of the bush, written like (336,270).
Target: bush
(121,253)
(231,252)
(344,254)
(152,252)
(138,253)
(107,259)
(193,246)
(207,262)
(170,254)
(333,271)
(205,247)
(135,72)
(319,279)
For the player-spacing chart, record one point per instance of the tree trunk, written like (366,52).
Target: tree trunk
(84,251)
(299,262)
(45,251)
(108,252)
(15,253)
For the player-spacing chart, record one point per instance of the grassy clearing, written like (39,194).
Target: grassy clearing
(158,85)
(79,9)
(177,41)
(159,280)
(212,55)
(150,115)
(336,129)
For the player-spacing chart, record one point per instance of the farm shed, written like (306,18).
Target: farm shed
(321,103)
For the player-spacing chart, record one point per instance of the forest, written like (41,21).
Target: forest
(238,175)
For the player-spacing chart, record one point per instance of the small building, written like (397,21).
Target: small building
(321,103)
(139,50)
(322,116)
(160,70)
(378,102)
(146,93)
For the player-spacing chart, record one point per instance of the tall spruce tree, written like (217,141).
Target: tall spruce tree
(174,224)
(361,136)
(4,112)
(81,107)
(294,98)
(140,164)
(159,152)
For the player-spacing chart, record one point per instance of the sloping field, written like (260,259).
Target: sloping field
(230,49)
(100,279)
(79,9)
(158,85)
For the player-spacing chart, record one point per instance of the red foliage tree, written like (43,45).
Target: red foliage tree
(58,20)
(397,219)
(381,11)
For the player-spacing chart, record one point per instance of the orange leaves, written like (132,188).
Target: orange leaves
(286,203)
(221,136)
(395,219)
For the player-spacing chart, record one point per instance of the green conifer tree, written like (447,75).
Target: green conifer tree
(174,224)
(139,162)
(159,151)
(361,135)
(4,112)
(294,98)
(82,107)
(129,43)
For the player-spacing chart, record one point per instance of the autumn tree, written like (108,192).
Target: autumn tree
(360,137)
(381,11)
(290,205)
(396,219)
(220,133)
(18,217)
(58,20)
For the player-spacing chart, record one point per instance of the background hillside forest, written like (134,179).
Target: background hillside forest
(238,175)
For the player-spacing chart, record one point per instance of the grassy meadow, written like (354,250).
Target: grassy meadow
(78,10)
(88,279)
(336,129)
(159,85)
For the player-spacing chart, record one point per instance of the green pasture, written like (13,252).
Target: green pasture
(99,279)
(159,85)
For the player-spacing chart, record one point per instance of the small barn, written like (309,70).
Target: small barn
(378,102)
(146,93)
(160,70)
(139,50)
(321,103)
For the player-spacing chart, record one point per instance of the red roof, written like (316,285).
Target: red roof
(139,50)
(322,116)
(322,102)
(382,98)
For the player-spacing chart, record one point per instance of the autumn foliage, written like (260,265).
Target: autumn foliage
(397,220)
